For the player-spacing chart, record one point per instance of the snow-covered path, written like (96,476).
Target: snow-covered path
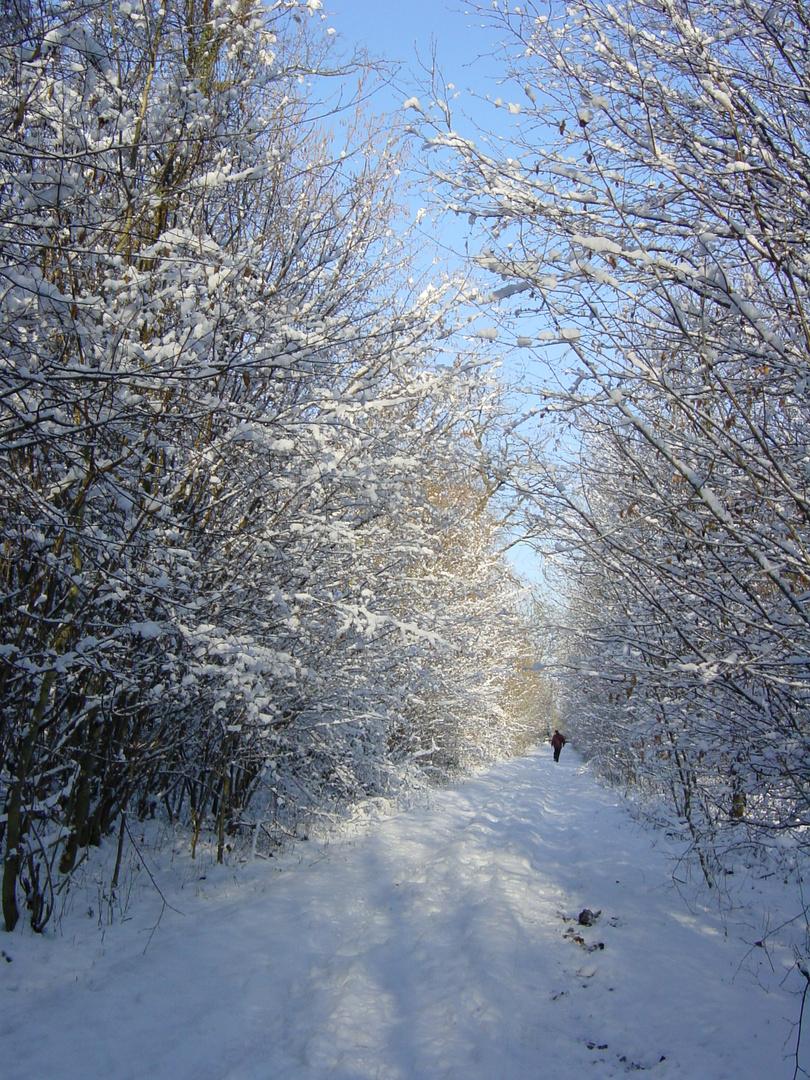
(431,946)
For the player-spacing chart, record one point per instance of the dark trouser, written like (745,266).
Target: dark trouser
(557,750)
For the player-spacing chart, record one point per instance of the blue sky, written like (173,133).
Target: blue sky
(396,27)
(404,32)
(399,29)
(396,30)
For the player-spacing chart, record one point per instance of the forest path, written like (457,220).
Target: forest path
(432,945)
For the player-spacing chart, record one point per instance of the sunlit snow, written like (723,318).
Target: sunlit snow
(442,942)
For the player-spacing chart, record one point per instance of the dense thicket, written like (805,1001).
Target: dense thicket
(244,525)
(650,207)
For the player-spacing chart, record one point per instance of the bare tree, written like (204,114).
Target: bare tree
(647,218)
(224,395)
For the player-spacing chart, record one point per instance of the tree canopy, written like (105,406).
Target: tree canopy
(244,523)
(646,219)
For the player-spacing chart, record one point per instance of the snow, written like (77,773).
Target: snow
(437,943)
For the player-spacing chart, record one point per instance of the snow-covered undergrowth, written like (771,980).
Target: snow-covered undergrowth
(443,941)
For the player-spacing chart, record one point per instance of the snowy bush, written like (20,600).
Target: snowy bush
(222,410)
(648,213)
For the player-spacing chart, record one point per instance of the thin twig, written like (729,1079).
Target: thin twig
(806,974)
(157,924)
(166,903)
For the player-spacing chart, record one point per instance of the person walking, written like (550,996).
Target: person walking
(557,743)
